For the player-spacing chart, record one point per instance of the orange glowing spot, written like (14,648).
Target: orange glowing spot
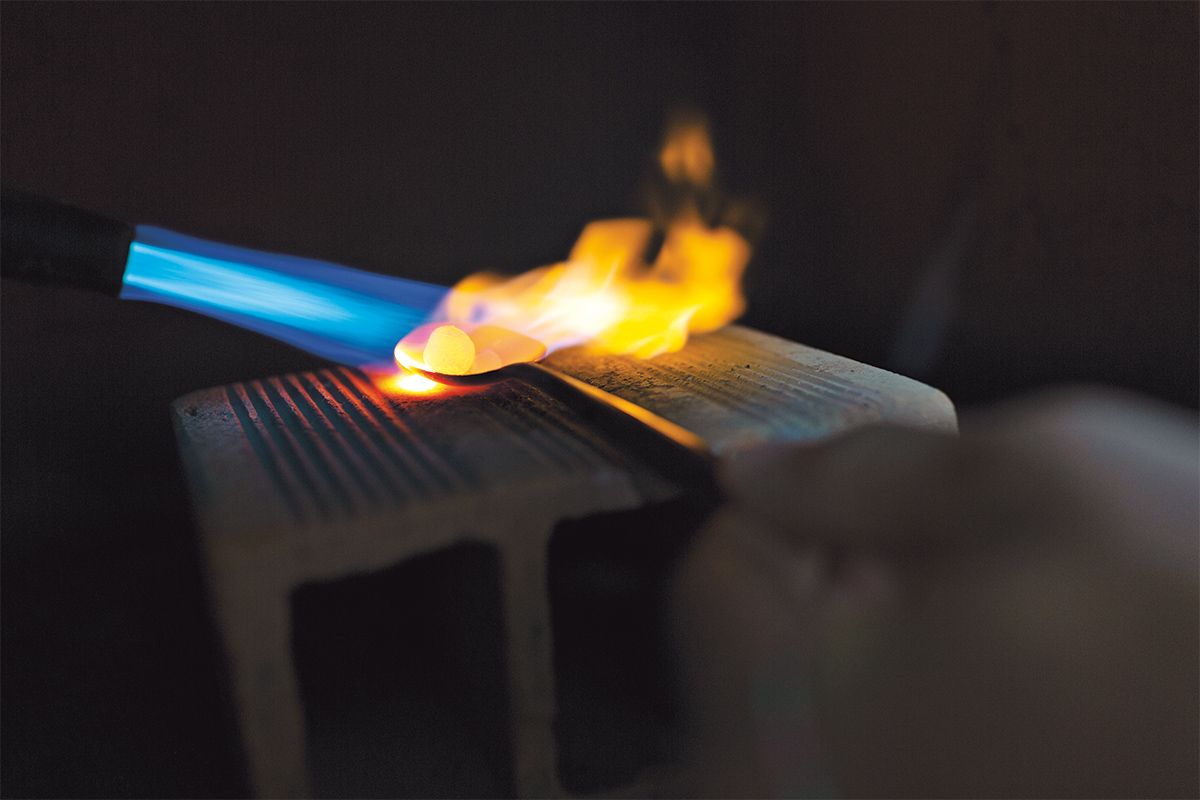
(605,295)
(398,383)
(417,384)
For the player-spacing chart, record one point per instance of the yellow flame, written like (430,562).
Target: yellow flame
(604,296)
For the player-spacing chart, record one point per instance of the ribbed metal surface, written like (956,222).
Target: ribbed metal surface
(781,382)
(731,389)
(333,445)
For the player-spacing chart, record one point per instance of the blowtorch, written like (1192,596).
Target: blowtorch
(336,312)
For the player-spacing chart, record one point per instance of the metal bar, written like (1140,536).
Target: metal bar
(679,454)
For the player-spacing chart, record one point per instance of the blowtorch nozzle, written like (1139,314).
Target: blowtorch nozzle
(343,314)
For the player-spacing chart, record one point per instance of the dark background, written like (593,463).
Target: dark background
(1033,167)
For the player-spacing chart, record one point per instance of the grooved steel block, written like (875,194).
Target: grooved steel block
(318,476)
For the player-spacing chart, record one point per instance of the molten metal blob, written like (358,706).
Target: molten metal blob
(465,349)
(449,351)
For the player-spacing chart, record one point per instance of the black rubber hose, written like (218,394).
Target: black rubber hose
(45,241)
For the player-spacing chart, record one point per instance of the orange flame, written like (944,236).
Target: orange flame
(604,296)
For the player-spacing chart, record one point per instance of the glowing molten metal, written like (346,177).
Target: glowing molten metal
(604,296)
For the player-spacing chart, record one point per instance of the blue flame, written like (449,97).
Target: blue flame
(336,312)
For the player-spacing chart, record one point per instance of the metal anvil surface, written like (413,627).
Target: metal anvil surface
(314,477)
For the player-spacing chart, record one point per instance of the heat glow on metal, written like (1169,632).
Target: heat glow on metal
(401,383)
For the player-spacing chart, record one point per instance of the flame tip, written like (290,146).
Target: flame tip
(604,295)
